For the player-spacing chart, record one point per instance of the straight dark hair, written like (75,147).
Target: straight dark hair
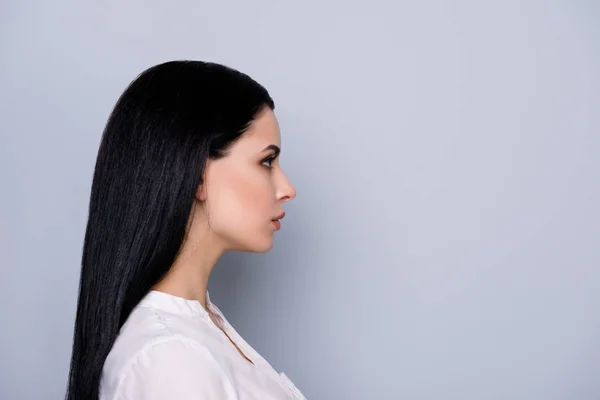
(164,127)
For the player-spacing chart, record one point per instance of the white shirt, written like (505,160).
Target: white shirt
(169,348)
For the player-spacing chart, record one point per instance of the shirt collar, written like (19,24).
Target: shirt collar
(174,304)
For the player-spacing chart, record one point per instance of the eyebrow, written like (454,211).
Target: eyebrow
(274,148)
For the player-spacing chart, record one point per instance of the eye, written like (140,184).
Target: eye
(270,161)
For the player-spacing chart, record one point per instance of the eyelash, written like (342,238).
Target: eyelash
(271,159)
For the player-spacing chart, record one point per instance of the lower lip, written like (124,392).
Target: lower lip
(277,225)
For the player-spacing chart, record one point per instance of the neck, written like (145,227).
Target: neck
(190,273)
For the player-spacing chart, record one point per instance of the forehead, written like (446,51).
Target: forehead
(263,131)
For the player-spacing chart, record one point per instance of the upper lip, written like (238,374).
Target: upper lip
(279,217)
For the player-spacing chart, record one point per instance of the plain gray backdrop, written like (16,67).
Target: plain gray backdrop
(444,243)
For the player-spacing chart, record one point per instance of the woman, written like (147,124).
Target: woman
(187,169)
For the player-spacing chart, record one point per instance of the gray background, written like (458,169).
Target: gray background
(444,243)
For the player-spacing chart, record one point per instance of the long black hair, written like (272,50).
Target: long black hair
(168,122)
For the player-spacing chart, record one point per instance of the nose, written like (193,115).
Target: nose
(285,190)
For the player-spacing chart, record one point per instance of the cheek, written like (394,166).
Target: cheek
(248,197)
(241,199)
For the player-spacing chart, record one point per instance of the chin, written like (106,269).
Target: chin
(263,247)
(257,246)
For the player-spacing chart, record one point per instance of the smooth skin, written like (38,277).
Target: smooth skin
(233,210)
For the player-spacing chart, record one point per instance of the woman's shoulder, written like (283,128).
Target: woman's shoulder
(146,338)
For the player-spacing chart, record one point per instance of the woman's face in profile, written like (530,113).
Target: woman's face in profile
(245,190)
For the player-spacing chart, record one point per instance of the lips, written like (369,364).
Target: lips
(279,217)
